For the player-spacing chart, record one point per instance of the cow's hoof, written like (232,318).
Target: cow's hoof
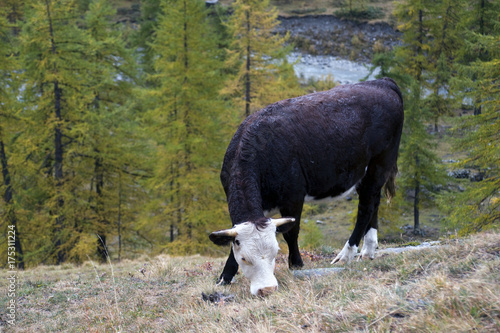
(224,281)
(297,265)
(370,243)
(347,254)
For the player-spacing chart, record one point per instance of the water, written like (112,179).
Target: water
(318,67)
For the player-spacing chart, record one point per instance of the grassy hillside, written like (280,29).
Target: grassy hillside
(451,288)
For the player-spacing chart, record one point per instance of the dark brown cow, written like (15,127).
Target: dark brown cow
(308,148)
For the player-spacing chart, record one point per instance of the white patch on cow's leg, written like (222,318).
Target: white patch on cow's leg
(347,254)
(370,243)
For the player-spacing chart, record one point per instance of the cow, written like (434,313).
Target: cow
(312,147)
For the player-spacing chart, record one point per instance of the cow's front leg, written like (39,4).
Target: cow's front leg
(229,270)
(291,236)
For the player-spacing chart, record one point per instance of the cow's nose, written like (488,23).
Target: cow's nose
(266,291)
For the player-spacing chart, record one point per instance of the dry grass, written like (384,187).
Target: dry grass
(453,288)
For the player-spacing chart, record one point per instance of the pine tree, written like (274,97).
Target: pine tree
(414,20)
(56,97)
(418,164)
(444,47)
(478,207)
(143,38)
(263,75)
(479,18)
(186,118)
(109,143)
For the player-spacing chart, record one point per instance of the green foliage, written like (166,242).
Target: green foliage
(186,118)
(257,57)
(368,13)
(419,164)
(143,37)
(73,154)
(311,236)
(478,208)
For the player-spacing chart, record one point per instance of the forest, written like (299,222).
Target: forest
(112,135)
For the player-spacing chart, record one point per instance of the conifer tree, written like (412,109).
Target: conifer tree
(185,118)
(478,207)
(258,54)
(78,142)
(143,37)
(56,97)
(9,90)
(109,143)
(414,22)
(479,18)
(444,47)
(418,164)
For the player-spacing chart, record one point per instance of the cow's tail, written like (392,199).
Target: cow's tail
(390,184)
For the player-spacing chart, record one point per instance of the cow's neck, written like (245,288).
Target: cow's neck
(244,200)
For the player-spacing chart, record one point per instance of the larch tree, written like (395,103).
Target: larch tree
(56,96)
(144,35)
(10,88)
(478,207)
(185,121)
(257,54)
(418,164)
(479,18)
(444,47)
(110,153)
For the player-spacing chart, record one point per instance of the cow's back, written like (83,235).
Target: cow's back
(318,144)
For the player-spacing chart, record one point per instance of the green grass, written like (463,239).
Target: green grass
(452,288)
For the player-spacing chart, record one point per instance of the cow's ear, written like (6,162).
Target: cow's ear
(223,237)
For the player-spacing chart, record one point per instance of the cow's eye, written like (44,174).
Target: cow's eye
(245,261)
(237,242)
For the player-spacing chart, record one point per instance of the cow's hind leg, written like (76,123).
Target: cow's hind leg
(370,241)
(369,191)
(291,237)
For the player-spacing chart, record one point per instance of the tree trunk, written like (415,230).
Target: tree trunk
(11,215)
(120,217)
(421,41)
(416,216)
(101,228)
(416,213)
(58,152)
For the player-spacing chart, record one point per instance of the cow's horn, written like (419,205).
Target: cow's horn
(227,232)
(282,221)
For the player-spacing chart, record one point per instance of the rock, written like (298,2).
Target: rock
(217,298)
(308,273)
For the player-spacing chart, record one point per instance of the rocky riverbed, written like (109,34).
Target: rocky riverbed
(329,35)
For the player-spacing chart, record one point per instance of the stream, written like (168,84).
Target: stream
(321,66)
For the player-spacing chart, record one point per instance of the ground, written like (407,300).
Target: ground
(453,287)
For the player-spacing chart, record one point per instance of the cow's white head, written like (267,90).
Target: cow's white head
(255,248)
